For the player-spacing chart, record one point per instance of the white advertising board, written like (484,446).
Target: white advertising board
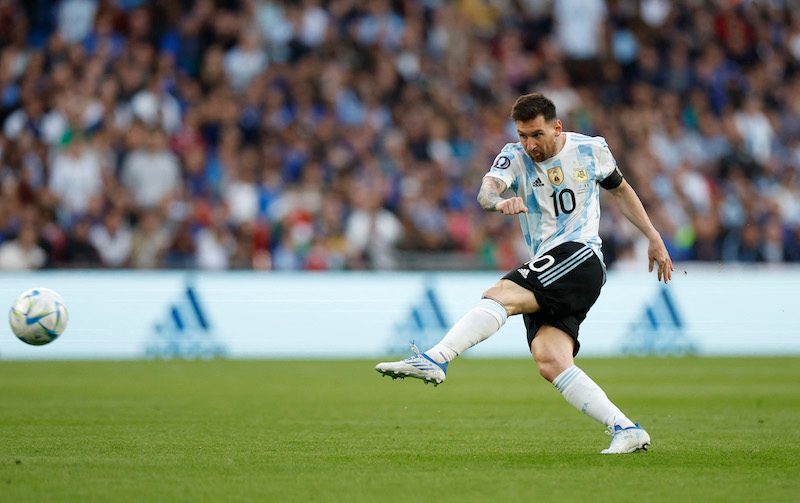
(713,310)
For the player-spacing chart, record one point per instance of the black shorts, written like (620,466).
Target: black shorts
(566,282)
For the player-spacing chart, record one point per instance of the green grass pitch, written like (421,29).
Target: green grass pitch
(724,429)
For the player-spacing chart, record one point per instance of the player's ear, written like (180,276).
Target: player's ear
(557,127)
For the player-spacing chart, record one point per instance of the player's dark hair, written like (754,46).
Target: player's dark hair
(530,106)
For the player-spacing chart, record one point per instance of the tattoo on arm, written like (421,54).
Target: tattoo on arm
(489,195)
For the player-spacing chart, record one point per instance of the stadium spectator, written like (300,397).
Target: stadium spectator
(75,177)
(79,252)
(245,60)
(372,232)
(150,172)
(113,239)
(23,252)
(691,95)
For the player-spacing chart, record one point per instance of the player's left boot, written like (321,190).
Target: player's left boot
(627,440)
(419,366)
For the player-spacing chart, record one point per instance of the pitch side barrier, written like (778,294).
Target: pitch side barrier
(705,310)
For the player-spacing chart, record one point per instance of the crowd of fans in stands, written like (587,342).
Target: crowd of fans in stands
(339,134)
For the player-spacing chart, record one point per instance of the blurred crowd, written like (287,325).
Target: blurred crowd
(340,134)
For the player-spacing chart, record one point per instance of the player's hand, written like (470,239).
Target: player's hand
(511,206)
(658,254)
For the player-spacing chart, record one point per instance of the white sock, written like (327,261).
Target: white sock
(586,396)
(477,325)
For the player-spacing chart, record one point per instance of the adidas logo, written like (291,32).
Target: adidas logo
(425,323)
(184,331)
(524,271)
(659,330)
(537,183)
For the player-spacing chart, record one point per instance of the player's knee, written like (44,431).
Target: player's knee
(495,293)
(549,369)
(511,296)
(550,363)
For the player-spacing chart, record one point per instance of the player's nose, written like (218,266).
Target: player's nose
(529,145)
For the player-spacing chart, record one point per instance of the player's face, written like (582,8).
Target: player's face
(539,137)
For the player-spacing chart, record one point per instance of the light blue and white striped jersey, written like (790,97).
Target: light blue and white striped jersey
(562,193)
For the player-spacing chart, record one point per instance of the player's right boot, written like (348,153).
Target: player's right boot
(419,366)
(627,440)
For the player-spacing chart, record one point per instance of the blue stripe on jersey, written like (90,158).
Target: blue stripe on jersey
(563,218)
(587,160)
(532,203)
(594,190)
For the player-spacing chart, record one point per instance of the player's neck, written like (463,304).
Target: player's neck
(561,140)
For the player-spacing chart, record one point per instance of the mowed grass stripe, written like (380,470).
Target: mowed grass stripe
(724,429)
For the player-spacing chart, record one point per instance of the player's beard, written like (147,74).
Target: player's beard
(545,153)
(542,156)
(533,156)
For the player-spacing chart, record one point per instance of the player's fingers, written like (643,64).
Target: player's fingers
(652,260)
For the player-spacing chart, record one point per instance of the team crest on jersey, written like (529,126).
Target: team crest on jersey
(555,175)
(581,175)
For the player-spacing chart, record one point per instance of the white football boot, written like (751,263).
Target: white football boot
(627,440)
(419,366)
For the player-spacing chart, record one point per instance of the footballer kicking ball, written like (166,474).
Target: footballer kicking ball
(38,316)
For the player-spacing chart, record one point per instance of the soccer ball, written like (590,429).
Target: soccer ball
(38,316)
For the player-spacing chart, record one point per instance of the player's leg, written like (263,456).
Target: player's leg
(502,300)
(552,348)
(499,302)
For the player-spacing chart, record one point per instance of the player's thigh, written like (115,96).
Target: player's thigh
(513,297)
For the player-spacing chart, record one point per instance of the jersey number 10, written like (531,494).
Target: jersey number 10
(564,200)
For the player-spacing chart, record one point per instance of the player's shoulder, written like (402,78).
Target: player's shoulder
(582,139)
(510,155)
(512,149)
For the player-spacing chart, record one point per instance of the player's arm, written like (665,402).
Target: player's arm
(490,199)
(631,206)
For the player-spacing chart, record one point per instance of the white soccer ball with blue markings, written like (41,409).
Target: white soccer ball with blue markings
(38,316)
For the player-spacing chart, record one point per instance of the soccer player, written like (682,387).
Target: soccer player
(556,178)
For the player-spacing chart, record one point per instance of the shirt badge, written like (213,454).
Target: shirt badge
(555,175)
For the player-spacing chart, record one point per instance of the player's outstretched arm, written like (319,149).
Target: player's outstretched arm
(631,206)
(489,197)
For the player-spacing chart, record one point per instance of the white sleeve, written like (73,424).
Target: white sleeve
(505,167)
(606,164)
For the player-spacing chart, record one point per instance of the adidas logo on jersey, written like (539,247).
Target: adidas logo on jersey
(537,183)
(524,272)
